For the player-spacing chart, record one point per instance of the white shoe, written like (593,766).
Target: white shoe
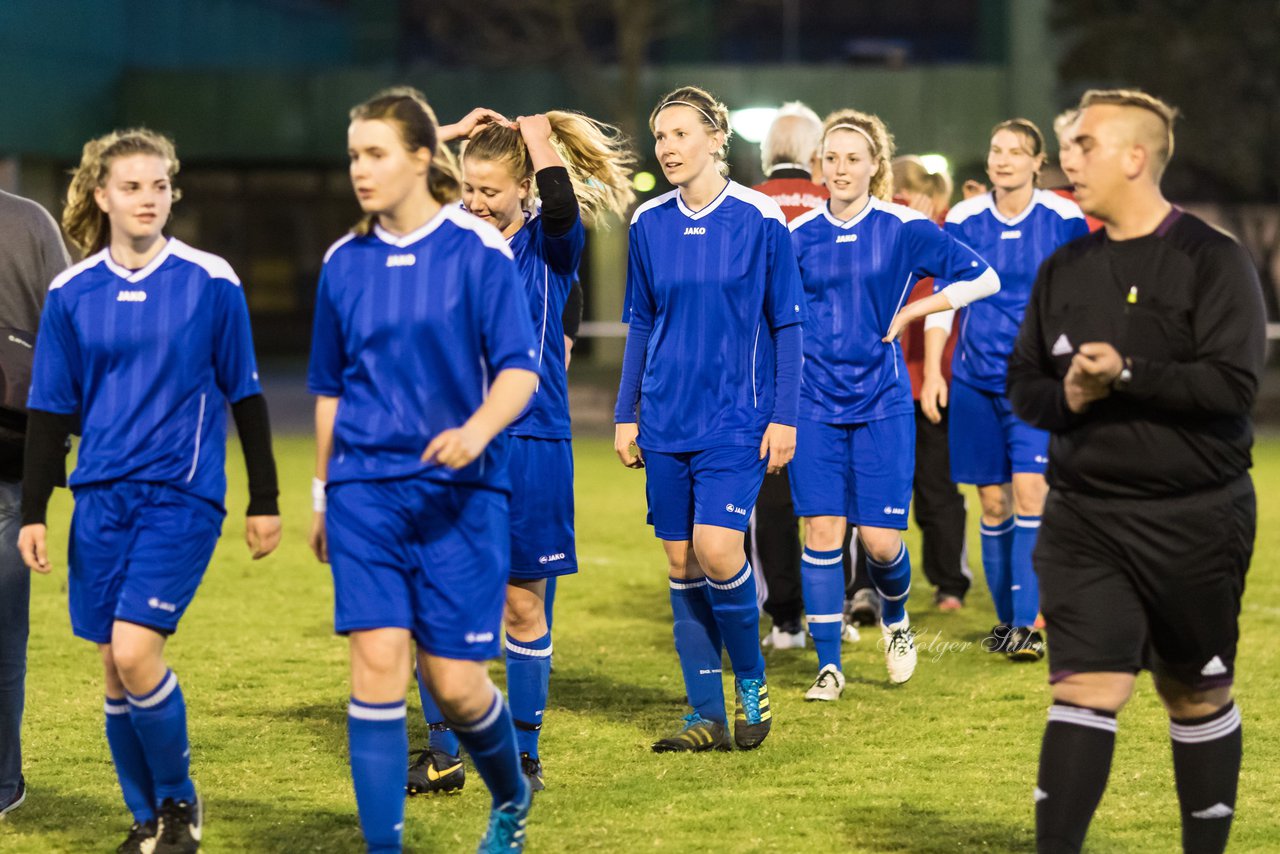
(779,639)
(850,633)
(899,650)
(828,686)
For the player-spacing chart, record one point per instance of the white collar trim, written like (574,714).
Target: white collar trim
(848,223)
(138,275)
(412,237)
(706,209)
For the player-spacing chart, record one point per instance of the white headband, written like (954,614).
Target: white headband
(705,114)
(871,142)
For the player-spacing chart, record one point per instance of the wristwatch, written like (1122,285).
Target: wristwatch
(1122,380)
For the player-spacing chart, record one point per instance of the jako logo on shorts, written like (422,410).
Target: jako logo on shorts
(548,558)
(894,511)
(478,637)
(162,606)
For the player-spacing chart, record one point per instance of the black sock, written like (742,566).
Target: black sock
(1206,768)
(1075,759)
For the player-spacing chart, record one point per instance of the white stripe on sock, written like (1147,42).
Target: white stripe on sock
(1022,522)
(1081,717)
(687,585)
(512,646)
(1210,731)
(1004,528)
(733,583)
(116,707)
(495,711)
(167,687)
(824,618)
(361,712)
(821,561)
(902,553)
(889,598)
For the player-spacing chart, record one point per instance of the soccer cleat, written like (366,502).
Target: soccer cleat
(17,799)
(179,827)
(828,686)
(506,824)
(849,633)
(532,768)
(435,771)
(998,639)
(1025,644)
(899,651)
(864,607)
(141,838)
(752,717)
(780,638)
(697,735)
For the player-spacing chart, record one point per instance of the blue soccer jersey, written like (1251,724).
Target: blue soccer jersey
(548,266)
(708,289)
(1014,247)
(857,275)
(409,333)
(147,359)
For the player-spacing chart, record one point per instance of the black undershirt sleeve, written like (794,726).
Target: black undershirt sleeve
(254,427)
(572,316)
(559,204)
(1035,391)
(44,461)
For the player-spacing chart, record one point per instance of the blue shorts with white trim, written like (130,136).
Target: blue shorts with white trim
(542,540)
(989,444)
(862,472)
(137,554)
(718,486)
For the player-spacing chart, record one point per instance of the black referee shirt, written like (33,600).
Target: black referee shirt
(1185,305)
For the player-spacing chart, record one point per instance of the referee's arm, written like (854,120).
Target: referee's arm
(1229,325)
(1034,387)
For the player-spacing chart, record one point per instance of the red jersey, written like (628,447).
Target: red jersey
(794,194)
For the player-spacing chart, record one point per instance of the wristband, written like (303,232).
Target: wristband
(318,498)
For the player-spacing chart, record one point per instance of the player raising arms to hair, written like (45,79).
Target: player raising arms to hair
(140,344)
(1015,226)
(575,167)
(859,257)
(422,354)
(707,399)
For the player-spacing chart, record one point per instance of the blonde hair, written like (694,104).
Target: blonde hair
(713,115)
(1166,113)
(912,176)
(1064,120)
(881,146)
(85,223)
(407,109)
(596,155)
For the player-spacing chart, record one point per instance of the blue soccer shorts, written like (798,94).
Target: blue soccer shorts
(862,472)
(137,554)
(542,540)
(417,554)
(988,443)
(718,486)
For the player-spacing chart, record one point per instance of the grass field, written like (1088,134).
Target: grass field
(943,763)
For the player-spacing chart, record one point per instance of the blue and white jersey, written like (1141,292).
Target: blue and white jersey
(1015,248)
(548,266)
(857,275)
(708,288)
(148,359)
(409,333)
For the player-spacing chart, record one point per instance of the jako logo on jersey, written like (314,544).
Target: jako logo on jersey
(694,229)
(478,637)
(131,296)
(162,606)
(402,260)
(846,238)
(548,558)
(1010,235)
(894,511)
(741,511)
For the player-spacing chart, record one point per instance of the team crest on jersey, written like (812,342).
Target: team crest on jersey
(694,229)
(131,296)
(407,260)
(846,238)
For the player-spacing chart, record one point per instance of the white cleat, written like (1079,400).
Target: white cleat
(779,639)
(828,686)
(899,650)
(850,633)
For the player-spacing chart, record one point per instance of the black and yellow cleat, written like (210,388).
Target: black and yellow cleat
(752,717)
(435,771)
(697,735)
(532,768)
(1025,644)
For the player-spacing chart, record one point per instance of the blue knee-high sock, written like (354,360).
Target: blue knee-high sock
(1024,587)
(822,581)
(491,741)
(441,737)
(893,582)
(131,763)
(160,721)
(698,647)
(379,742)
(997,555)
(549,600)
(734,604)
(528,678)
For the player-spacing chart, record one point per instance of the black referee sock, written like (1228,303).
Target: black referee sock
(1075,760)
(1206,768)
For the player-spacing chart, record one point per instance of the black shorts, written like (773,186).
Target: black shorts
(1132,584)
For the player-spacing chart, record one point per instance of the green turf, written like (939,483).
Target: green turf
(943,763)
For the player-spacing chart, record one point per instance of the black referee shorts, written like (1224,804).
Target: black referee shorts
(1155,583)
